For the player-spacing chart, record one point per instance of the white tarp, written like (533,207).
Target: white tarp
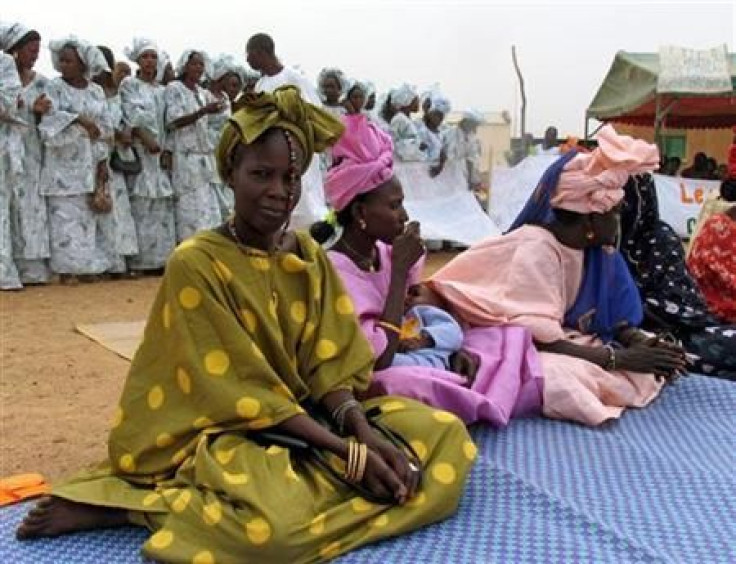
(680,199)
(443,205)
(694,71)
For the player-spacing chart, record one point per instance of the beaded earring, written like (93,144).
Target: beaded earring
(362,224)
(293,178)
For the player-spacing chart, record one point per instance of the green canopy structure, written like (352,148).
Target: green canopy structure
(692,95)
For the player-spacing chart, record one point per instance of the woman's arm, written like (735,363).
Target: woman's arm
(648,357)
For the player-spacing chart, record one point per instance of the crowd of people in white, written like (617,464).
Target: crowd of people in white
(105,169)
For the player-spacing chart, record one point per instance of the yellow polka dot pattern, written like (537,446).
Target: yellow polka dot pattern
(419,499)
(317,526)
(257,352)
(283,391)
(156,397)
(420,448)
(166,316)
(470,450)
(150,499)
(444,473)
(161,539)
(222,271)
(298,311)
(260,263)
(360,505)
(184,381)
(344,305)
(308,332)
(330,550)
(292,264)
(326,349)
(127,463)
(212,513)
(235,479)
(250,320)
(444,417)
(117,418)
(204,557)
(181,502)
(380,522)
(202,422)
(216,362)
(261,423)
(390,406)
(225,457)
(189,297)
(258,531)
(164,440)
(248,408)
(290,474)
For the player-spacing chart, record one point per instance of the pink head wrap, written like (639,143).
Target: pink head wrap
(364,157)
(593,182)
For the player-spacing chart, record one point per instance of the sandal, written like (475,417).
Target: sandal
(21,487)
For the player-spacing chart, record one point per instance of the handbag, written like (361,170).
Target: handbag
(301,448)
(126,166)
(100,200)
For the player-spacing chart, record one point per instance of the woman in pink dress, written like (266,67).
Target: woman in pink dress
(379,256)
(557,274)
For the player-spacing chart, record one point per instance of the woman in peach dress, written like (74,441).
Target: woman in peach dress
(558,274)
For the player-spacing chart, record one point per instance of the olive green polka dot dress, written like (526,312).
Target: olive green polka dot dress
(236,339)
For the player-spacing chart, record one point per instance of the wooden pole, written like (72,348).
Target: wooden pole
(525,149)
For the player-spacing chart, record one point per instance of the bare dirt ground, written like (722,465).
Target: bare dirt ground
(58,389)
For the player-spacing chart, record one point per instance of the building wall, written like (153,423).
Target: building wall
(713,142)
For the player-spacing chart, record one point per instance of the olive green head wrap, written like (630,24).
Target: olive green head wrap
(284,108)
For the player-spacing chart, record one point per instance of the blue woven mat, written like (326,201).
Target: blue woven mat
(659,485)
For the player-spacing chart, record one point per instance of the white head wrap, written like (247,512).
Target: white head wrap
(439,102)
(140,45)
(93,59)
(474,116)
(333,72)
(184,59)
(161,62)
(403,96)
(10,34)
(369,88)
(351,83)
(225,64)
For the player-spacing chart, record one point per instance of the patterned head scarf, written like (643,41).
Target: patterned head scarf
(403,96)
(364,157)
(593,182)
(337,74)
(284,108)
(10,34)
(473,116)
(140,46)
(163,60)
(93,59)
(184,59)
(225,64)
(439,103)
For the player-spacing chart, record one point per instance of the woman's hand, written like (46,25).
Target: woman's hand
(212,108)
(41,105)
(166,161)
(149,142)
(663,361)
(392,474)
(465,363)
(124,137)
(407,248)
(90,127)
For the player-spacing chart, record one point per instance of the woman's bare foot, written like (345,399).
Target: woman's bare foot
(54,516)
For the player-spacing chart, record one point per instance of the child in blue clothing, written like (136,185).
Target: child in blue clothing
(429,335)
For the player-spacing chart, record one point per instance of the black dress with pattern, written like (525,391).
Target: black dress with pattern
(671,298)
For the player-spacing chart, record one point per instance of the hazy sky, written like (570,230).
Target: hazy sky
(565,49)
